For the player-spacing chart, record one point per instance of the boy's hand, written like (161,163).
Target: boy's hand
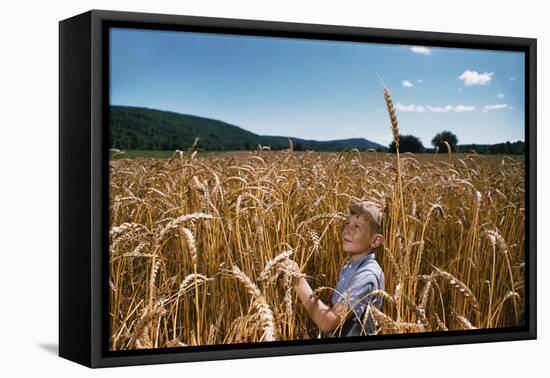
(339,310)
(288,266)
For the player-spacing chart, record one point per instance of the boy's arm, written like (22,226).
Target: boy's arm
(326,318)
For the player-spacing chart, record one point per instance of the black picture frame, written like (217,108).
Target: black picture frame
(83,193)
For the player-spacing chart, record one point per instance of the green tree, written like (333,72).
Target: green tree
(446,136)
(408,143)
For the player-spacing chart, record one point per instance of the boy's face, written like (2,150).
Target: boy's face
(357,236)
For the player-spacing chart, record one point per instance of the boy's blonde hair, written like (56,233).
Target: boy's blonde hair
(371,212)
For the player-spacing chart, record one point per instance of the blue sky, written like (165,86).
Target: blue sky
(321,90)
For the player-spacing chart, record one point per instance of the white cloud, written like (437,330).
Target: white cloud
(420,81)
(434,109)
(513,78)
(500,95)
(495,107)
(421,50)
(460,89)
(407,84)
(410,108)
(464,108)
(437,109)
(475,78)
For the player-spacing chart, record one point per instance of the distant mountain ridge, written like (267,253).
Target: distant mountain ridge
(136,128)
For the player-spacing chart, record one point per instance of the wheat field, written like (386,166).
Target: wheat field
(193,242)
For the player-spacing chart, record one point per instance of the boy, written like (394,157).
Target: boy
(361,275)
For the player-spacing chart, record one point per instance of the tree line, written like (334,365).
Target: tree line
(411,143)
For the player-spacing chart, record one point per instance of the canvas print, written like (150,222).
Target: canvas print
(266,189)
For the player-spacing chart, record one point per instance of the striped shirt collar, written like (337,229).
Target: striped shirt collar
(356,264)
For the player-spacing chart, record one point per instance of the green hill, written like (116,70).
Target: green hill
(133,128)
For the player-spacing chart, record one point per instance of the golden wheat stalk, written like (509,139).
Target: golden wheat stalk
(174,223)
(393,117)
(395,132)
(141,328)
(266,315)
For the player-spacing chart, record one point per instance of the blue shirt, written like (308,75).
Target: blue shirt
(358,279)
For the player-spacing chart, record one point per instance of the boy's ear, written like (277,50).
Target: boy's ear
(377,240)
